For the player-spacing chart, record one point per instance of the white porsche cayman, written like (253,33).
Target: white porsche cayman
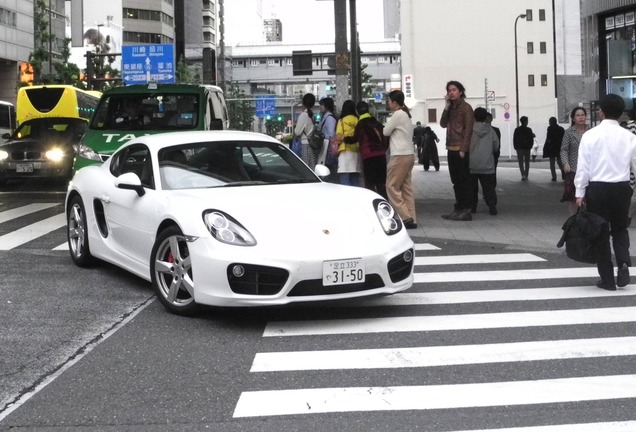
(234,219)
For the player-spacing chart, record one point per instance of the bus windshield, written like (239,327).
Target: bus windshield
(55,101)
(156,112)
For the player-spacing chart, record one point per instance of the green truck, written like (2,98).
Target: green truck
(127,112)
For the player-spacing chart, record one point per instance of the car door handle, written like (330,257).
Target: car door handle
(105,198)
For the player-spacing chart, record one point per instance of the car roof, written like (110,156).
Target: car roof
(168,139)
(160,88)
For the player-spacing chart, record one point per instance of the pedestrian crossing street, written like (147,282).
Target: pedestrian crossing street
(529,315)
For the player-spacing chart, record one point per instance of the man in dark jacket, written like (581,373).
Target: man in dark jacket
(523,140)
(552,147)
(418,140)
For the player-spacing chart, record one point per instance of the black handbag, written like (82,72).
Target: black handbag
(582,233)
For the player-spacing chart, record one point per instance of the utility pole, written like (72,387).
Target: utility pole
(342,55)
(356,85)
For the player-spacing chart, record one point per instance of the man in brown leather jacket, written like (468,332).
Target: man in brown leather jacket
(458,119)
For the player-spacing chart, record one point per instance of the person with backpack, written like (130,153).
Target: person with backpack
(373,146)
(429,152)
(349,162)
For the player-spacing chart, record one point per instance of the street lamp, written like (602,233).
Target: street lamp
(517,69)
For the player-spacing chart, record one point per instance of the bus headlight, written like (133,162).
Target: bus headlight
(86,152)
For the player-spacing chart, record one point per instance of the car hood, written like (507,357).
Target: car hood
(31,144)
(320,212)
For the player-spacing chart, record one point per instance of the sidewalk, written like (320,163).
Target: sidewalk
(530,212)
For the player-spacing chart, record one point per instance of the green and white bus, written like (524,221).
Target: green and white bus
(127,112)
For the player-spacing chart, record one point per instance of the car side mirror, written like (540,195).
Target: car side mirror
(130,181)
(322,171)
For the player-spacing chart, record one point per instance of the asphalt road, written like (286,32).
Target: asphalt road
(91,350)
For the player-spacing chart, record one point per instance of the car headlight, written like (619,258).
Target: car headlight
(87,153)
(3,155)
(226,229)
(55,154)
(389,219)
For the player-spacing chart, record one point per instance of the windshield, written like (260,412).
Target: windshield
(51,128)
(230,164)
(156,112)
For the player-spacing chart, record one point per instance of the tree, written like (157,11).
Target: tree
(66,73)
(183,74)
(239,108)
(42,39)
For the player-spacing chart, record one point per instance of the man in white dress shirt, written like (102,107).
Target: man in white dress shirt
(606,154)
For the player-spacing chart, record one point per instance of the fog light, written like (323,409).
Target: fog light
(408,255)
(238,271)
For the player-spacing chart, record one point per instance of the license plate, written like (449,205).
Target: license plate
(24,168)
(340,272)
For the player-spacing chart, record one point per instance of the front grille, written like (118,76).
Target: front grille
(22,155)
(398,268)
(315,287)
(257,280)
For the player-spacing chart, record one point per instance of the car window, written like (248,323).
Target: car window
(236,163)
(135,159)
(157,111)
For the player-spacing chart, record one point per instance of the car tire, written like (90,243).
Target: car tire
(171,272)
(77,233)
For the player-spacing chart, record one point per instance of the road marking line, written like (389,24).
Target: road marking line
(477,259)
(31,232)
(361,399)
(390,358)
(504,275)
(451,322)
(485,296)
(15,213)
(62,247)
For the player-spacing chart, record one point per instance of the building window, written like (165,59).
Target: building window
(544,80)
(432,115)
(530,47)
(8,18)
(530,80)
(541,14)
(543,47)
(528,14)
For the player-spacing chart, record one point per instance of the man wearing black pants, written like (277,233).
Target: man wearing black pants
(606,155)
(458,120)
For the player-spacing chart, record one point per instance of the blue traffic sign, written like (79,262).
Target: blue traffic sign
(141,64)
(379,96)
(265,105)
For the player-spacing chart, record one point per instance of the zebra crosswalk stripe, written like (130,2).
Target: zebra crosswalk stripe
(443,355)
(452,322)
(19,212)
(31,232)
(477,259)
(486,296)
(505,275)
(428,397)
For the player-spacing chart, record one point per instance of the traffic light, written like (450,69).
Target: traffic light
(268,117)
(318,117)
(280,117)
